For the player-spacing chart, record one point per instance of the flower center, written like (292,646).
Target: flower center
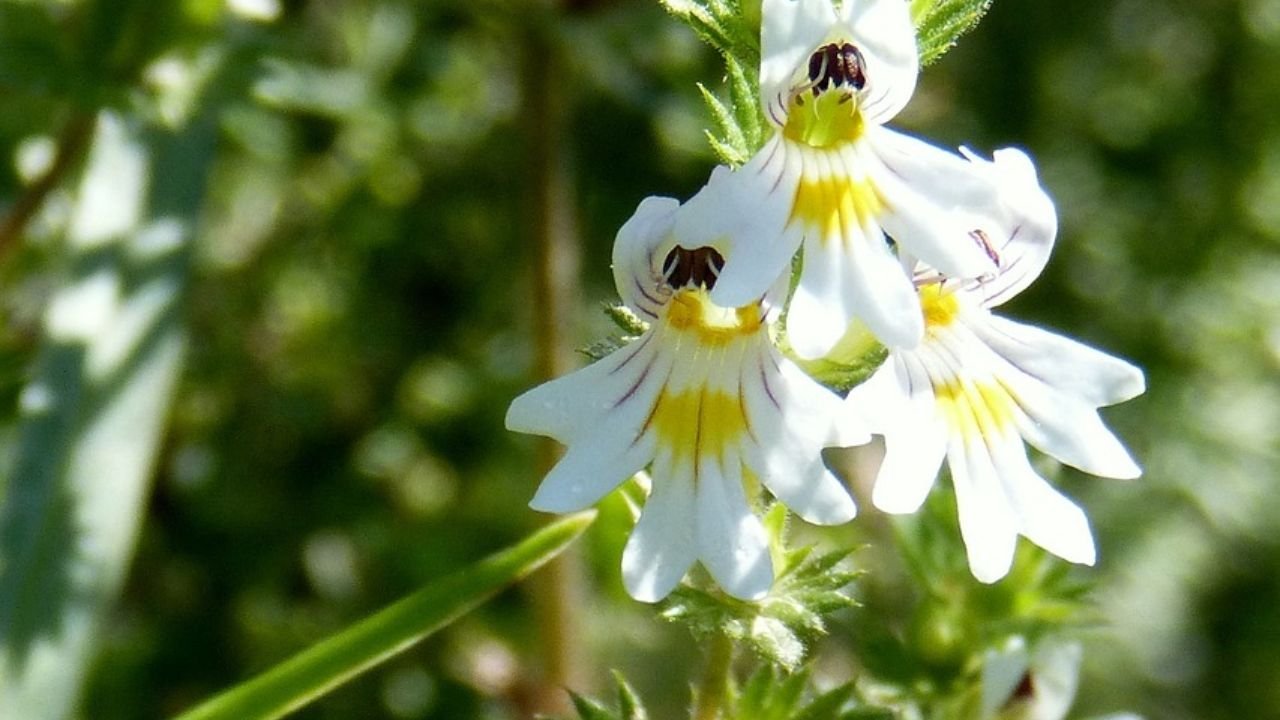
(692,311)
(940,308)
(697,268)
(824,112)
(836,65)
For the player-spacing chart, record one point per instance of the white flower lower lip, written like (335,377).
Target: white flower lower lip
(973,391)
(706,401)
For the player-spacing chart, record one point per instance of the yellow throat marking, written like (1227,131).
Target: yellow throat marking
(940,308)
(837,205)
(830,119)
(693,312)
(698,423)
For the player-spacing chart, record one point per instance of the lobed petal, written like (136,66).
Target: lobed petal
(885,35)
(847,278)
(742,214)
(732,543)
(790,30)
(790,417)
(987,522)
(567,407)
(1029,228)
(935,201)
(915,437)
(638,252)
(662,546)
(1068,366)
(1046,517)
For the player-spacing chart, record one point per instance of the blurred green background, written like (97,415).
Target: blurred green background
(359,302)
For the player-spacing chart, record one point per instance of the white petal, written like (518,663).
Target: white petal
(915,437)
(732,543)
(573,404)
(884,34)
(857,278)
(641,245)
(662,546)
(1071,367)
(1068,430)
(935,201)
(743,214)
(790,30)
(790,417)
(987,523)
(591,469)
(1046,517)
(1030,224)
(1057,422)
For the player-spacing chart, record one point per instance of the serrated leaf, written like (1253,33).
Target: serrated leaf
(940,23)
(589,709)
(828,705)
(627,321)
(629,705)
(780,627)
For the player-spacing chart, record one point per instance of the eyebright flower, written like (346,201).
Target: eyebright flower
(706,400)
(833,180)
(978,385)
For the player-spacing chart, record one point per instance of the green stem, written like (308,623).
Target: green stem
(331,662)
(713,689)
(71,145)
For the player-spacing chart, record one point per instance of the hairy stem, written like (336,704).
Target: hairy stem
(713,689)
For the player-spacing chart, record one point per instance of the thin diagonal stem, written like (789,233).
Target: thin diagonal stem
(71,145)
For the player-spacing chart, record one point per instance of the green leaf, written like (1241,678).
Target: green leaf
(770,695)
(93,414)
(629,705)
(781,626)
(337,659)
(589,709)
(628,702)
(940,23)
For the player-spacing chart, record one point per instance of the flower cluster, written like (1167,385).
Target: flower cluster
(909,241)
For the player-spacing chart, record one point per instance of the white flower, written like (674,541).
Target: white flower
(833,180)
(1030,684)
(705,398)
(978,385)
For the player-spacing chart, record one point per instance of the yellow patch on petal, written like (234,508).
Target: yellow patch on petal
(836,204)
(698,423)
(975,409)
(826,121)
(692,311)
(940,308)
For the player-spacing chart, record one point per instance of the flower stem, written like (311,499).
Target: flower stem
(713,689)
(558,590)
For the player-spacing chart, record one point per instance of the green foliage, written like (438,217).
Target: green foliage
(925,640)
(738,127)
(629,705)
(940,23)
(724,25)
(628,322)
(781,627)
(316,671)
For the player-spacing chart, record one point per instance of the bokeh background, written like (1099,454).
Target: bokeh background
(383,186)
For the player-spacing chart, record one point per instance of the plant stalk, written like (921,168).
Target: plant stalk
(713,689)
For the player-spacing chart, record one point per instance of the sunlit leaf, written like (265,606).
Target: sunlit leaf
(333,661)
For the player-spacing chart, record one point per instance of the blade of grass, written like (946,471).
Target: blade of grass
(334,660)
